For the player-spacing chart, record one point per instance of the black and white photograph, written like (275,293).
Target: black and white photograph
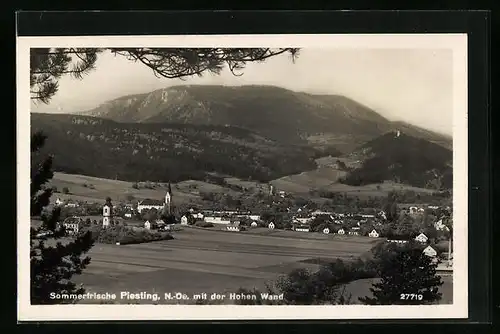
(306,176)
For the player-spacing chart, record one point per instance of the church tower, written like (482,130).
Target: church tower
(107,213)
(168,200)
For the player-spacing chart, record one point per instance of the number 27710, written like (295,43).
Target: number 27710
(411,296)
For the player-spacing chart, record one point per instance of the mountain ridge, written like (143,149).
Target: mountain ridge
(274,112)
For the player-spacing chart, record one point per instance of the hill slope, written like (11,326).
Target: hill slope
(276,113)
(165,152)
(403,159)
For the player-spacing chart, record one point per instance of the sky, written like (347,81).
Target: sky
(411,85)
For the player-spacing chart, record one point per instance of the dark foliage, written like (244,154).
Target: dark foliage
(403,159)
(53,263)
(165,152)
(404,270)
(126,235)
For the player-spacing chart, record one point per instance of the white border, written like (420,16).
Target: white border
(459,308)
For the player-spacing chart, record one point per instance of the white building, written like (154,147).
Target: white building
(326,230)
(440,226)
(397,241)
(235,227)
(341,231)
(198,215)
(301,229)
(253,224)
(184,220)
(271,226)
(373,234)
(353,233)
(429,251)
(421,238)
(128,215)
(149,204)
(107,214)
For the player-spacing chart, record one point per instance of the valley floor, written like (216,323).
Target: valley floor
(207,261)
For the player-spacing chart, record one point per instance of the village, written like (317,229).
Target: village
(160,215)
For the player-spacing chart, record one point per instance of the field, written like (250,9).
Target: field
(209,261)
(93,189)
(326,176)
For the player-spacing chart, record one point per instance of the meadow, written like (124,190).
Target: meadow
(212,261)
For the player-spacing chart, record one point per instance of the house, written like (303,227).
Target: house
(282,194)
(341,231)
(382,215)
(197,215)
(59,201)
(326,230)
(128,215)
(429,251)
(301,228)
(216,220)
(160,223)
(149,225)
(253,224)
(373,234)
(184,220)
(271,226)
(433,207)
(440,226)
(71,205)
(353,233)
(413,210)
(236,227)
(421,238)
(254,217)
(149,204)
(302,220)
(72,224)
(397,241)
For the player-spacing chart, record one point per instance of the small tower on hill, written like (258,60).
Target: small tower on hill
(107,213)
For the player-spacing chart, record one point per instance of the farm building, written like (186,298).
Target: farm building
(341,231)
(254,224)
(271,226)
(326,230)
(353,232)
(373,234)
(421,238)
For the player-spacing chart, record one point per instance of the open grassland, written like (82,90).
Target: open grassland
(208,261)
(93,189)
(215,262)
(326,177)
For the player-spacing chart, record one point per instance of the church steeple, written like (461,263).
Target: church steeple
(168,200)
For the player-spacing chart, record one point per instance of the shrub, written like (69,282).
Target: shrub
(203,224)
(126,235)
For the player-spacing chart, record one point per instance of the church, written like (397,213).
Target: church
(149,204)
